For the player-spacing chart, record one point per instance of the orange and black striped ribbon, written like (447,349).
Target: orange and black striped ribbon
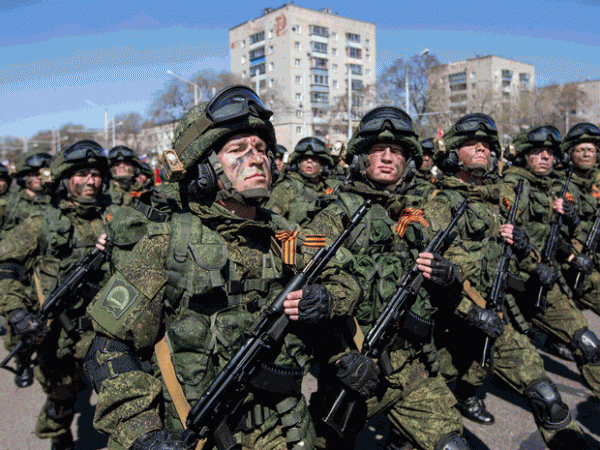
(314,240)
(289,240)
(569,197)
(328,191)
(595,193)
(407,216)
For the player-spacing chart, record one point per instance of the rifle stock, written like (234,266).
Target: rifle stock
(380,337)
(230,387)
(589,249)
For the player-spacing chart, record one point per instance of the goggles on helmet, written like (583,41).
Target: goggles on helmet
(83,150)
(310,143)
(427,145)
(235,102)
(543,134)
(377,120)
(583,128)
(123,152)
(39,160)
(474,122)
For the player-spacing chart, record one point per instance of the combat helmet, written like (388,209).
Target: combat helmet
(580,133)
(81,154)
(311,146)
(280,151)
(5,174)
(384,124)
(204,129)
(545,136)
(469,127)
(31,161)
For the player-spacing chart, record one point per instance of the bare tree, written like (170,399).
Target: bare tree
(560,105)
(130,129)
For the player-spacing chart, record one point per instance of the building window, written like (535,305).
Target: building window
(317,30)
(524,80)
(353,52)
(320,63)
(297,46)
(271,66)
(319,97)
(335,84)
(334,51)
(257,37)
(270,34)
(323,80)
(243,43)
(257,53)
(270,50)
(298,96)
(334,36)
(299,113)
(297,62)
(257,70)
(319,47)
(353,37)
(356,69)
(243,59)
(243,74)
(366,42)
(357,85)
(271,82)
(472,75)
(297,29)
(457,78)
(298,79)
(334,67)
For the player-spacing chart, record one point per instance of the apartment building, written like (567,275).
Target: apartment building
(302,61)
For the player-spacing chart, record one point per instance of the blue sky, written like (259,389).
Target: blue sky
(67,62)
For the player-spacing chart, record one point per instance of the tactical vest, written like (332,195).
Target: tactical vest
(307,202)
(20,208)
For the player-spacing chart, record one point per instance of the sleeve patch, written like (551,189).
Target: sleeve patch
(121,295)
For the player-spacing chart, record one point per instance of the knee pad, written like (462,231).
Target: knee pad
(453,441)
(589,344)
(546,404)
(59,411)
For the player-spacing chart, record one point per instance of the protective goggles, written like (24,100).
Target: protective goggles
(474,122)
(543,134)
(583,128)
(377,119)
(39,160)
(123,152)
(83,150)
(234,103)
(310,143)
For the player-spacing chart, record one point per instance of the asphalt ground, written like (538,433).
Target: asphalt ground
(514,428)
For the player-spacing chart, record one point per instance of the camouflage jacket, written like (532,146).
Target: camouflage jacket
(298,199)
(120,196)
(201,279)
(17,205)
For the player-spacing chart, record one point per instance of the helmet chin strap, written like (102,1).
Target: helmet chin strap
(252,197)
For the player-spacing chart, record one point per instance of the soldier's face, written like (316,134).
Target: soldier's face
(85,184)
(540,160)
(33,180)
(427,163)
(584,156)
(310,166)
(475,154)
(279,163)
(245,162)
(3,186)
(386,163)
(122,169)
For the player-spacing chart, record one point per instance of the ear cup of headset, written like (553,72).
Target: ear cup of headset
(449,163)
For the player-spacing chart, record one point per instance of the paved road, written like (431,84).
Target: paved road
(514,428)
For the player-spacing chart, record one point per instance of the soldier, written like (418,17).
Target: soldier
(340,169)
(199,281)
(145,179)
(32,194)
(384,148)
(425,172)
(279,158)
(471,151)
(125,166)
(5,180)
(47,246)
(297,197)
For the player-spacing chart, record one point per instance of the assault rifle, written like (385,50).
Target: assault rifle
(496,300)
(56,306)
(589,249)
(549,252)
(223,396)
(379,340)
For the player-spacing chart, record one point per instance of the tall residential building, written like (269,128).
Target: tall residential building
(478,85)
(580,101)
(301,61)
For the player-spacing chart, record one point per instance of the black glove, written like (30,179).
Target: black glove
(27,327)
(443,272)
(570,213)
(316,305)
(583,263)
(358,373)
(521,243)
(487,321)
(159,440)
(546,274)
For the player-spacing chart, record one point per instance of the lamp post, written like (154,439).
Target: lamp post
(423,53)
(188,82)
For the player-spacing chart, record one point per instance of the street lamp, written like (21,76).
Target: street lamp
(423,53)
(188,82)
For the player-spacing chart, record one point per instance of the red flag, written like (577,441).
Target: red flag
(440,132)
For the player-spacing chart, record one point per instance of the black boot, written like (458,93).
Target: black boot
(63,442)
(473,408)
(25,379)
(559,349)
(396,441)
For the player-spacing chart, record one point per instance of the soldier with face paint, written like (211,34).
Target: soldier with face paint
(37,256)
(197,283)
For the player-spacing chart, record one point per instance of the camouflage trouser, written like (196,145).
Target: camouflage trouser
(516,362)
(419,406)
(563,319)
(591,292)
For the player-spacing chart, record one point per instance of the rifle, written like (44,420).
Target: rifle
(226,392)
(56,306)
(378,342)
(589,249)
(549,252)
(496,300)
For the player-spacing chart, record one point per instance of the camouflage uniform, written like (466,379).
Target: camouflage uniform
(415,399)
(476,250)
(50,244)
(201,280)
(122,191)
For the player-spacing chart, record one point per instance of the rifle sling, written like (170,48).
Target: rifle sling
(474,295)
